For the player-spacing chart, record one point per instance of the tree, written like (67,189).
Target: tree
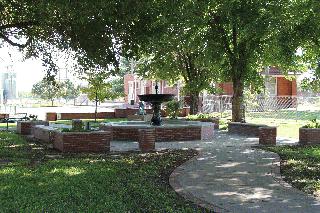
(241,37)
(179,51)
(69,90)
(47,90)
(94,32)
(249,35)
(98,89)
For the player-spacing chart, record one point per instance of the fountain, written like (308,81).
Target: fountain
(156,100)
(171,130)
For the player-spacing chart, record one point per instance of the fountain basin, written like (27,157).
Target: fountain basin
(156,98)
(175,131)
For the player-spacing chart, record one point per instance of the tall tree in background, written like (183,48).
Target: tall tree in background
(47,90)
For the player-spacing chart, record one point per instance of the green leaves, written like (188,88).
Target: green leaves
(47,89)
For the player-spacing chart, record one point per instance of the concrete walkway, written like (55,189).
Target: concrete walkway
(230,175)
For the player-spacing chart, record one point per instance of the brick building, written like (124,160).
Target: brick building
(135,85)
(275,83)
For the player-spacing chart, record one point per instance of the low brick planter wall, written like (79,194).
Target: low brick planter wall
(70,116)
(123,113)
(44,133)
(76,142)
(189,133)
(51,116)
(308,136)
(147,139)
(25,127)
(268,135)
(247,129)
(163,133)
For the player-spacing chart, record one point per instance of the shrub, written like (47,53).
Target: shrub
(200,116)
(313,124)
(173,108)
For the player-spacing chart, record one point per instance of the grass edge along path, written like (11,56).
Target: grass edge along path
(300,166)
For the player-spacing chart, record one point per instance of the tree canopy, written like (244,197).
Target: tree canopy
(47,90)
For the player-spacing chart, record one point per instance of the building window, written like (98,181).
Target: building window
(271,86)
(138,85)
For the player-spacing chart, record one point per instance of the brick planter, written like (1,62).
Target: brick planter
(25,127)
(147,138)
(51,116)
(44,133)
(247,129)
(308,136)
(268,135)
(186,132)
(75,142)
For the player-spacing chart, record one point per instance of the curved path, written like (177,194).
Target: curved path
(230,175)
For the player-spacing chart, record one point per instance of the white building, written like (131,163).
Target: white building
(8,84)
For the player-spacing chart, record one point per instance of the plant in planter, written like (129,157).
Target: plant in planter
(312,125)
(33,117)
(204,118)
(310,133)
(173,108)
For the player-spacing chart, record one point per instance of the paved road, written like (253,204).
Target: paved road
(230,175)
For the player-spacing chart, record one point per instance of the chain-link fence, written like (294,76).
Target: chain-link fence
(285,108)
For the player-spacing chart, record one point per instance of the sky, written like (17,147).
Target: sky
(28,71)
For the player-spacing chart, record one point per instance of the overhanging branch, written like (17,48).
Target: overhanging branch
(23,24)
(6,39)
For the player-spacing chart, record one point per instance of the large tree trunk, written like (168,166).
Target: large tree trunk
(52,102)
(96,110)
(237,101)
(194,103)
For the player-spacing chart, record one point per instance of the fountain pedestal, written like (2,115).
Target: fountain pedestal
(156,116)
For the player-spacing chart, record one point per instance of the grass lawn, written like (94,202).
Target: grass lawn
(33,180)
(4,125)
(300,166)
(286,128)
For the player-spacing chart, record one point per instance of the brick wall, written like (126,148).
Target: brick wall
(227,88)
(83,141)
(147,139)
(268,135)
(123,113)
(100,115)
(162,133)
(127,78)
(246,129)
(51,116)
(309,136)
(178,134)
(25,127)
